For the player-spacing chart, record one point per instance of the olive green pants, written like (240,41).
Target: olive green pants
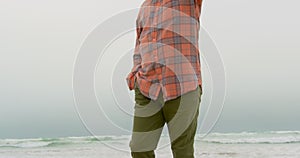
(150,116)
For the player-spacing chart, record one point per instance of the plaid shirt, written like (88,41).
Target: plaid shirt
(166,53)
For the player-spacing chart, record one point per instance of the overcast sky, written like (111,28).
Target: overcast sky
(257,40)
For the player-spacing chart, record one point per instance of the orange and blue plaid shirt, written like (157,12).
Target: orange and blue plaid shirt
(166,55)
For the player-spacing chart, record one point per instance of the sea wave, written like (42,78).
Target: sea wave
(52,142)
(281,140)
(268,137)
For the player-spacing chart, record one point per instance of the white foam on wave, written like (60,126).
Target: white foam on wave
(268,137)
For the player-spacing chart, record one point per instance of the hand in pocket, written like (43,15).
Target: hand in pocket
(140,99)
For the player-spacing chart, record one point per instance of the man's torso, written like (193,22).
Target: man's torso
(167,48)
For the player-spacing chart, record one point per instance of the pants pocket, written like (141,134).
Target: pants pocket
(139,98)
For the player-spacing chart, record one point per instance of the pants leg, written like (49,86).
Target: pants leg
(148,124)
(181,115)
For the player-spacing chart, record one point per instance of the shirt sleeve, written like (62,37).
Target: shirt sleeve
(137,56)
(198,8)
(199,2)
(137,59)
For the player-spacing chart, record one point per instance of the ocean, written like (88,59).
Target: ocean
(272,144)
